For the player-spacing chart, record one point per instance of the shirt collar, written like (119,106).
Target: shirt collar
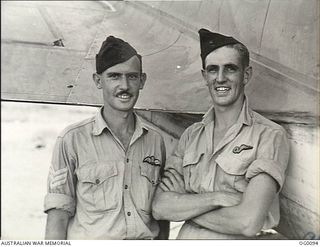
(100,124)
(244,117)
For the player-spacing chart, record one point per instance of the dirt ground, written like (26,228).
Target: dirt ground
(28,133)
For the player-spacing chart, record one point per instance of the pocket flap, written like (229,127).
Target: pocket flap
(232,165)
(191,158)
(97,174)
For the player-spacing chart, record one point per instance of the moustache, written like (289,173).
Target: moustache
(123,92)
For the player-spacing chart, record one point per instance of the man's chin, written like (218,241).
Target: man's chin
(125,106)
(221,101)
(125,109)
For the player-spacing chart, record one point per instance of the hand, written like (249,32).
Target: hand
(172,181)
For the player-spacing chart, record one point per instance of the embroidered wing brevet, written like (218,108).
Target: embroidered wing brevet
(237,149)
(152,161)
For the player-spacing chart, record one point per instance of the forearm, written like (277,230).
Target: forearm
(174,206)
(249,216)
(228,220)
(57,223)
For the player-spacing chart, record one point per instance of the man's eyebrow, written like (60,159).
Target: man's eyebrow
(113,73)
(232,65)
(210,66)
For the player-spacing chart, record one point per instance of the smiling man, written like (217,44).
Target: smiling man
(225,175)
(105,169)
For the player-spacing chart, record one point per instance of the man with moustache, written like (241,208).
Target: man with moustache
(105,169)
(225,175)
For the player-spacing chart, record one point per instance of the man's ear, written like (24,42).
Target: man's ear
(247,75)
(204,75)
(97,80)
(143,79)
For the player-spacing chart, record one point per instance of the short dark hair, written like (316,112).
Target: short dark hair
(244,53)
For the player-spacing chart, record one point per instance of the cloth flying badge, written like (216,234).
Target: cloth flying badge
(152,161)
(238,149)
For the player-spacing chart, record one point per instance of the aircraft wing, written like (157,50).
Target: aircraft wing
(284,53)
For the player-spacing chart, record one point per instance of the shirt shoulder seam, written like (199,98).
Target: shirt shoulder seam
(271,125)
(75,126)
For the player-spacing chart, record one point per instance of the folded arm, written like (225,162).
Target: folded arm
(266,175)
(248,217)
(173,203)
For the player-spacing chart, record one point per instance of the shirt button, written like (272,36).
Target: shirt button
(126,186)
(97,181)
(128,213)
(127,160)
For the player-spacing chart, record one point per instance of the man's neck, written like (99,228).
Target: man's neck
(119,121)
(227,116)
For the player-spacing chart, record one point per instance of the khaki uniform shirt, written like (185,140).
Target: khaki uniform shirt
(106,190)
(251,146)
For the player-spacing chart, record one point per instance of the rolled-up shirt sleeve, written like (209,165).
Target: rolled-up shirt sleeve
(60,183)
(272,156)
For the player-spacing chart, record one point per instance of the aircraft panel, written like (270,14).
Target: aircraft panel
(193,11)
(44,74)
(244,20)
(171,56)
(77,26)
(84,90)
(284,91)
(292,37)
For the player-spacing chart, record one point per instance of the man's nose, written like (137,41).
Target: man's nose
(221,76)
(124,82)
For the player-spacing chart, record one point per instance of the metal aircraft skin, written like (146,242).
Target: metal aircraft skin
(48,51)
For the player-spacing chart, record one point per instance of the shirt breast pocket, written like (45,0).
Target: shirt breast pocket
(98,186)
(146,186)
(191,172)
(230,174)
(151,173)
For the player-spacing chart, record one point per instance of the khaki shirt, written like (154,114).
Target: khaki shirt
(106,190)
(251,146)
